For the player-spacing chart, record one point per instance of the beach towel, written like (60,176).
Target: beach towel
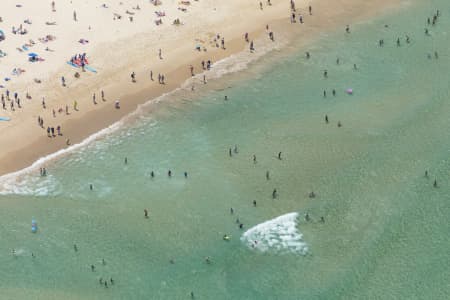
(5,119)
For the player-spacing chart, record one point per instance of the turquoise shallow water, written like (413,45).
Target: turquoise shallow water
(386,230)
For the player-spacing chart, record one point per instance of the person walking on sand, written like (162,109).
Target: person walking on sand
(160,54)
(133,77)
(75,16)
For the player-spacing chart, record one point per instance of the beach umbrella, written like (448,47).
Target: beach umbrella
(32,54)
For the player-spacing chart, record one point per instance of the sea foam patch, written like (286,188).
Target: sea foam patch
(279,235)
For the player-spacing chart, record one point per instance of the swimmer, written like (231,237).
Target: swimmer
(75,248)
(92,268)
(322,219)
(326,119)
(192,295)
(111,280)
(126,160)
(208,260)
(435,183)
(254,158)
(274,194)
(106,284)
(241,226)
(235,149)
(312,195)
(91,187)
(229,152)
(152,174)
(100,280)
(325,73)
(347,29)
(279,156)
(334,92)
(307,217)
(231,210)
(339,124)
(226,98)
(308,55)
(267,175)
(169,173)
(254,203)
(145,213)
(324,93)
(185,174)
(426,174)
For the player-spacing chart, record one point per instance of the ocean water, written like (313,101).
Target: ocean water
(385,229)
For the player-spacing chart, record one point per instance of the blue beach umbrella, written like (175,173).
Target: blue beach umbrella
(32,54)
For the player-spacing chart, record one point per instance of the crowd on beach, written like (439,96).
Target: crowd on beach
(205,65)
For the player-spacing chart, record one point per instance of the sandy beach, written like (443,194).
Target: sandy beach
(120,39)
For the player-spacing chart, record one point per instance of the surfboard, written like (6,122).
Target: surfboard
(89,68)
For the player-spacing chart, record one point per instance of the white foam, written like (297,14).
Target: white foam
(278,235)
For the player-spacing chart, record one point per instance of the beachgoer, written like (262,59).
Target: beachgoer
(267,175)
(254,203)
(145,213)
(274,194)
(254,159)
(279,155)
(326,119)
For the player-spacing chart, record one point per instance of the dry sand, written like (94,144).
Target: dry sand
(118,47)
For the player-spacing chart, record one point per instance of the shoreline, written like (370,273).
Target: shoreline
(86,125)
